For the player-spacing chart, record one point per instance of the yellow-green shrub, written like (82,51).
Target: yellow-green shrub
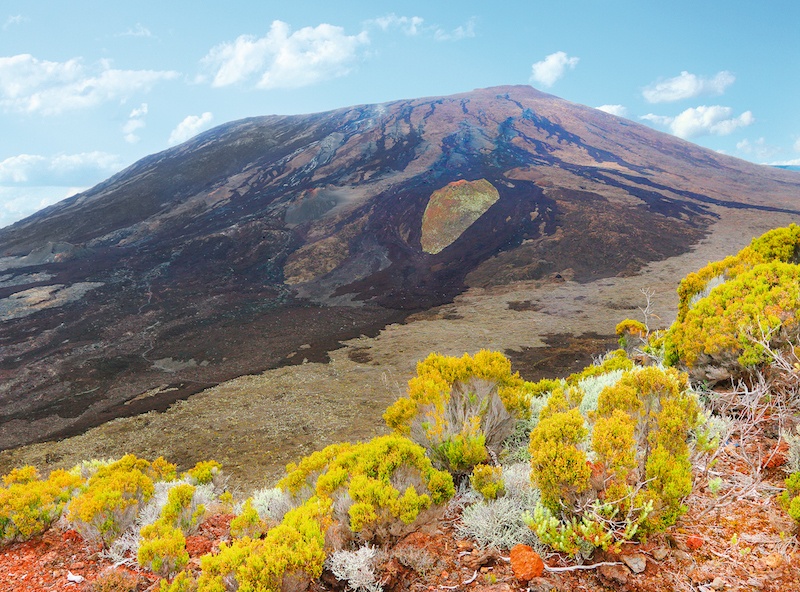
(204,472)
(640,472)
(488,481)
(722,328)
(777,245)
(790,498)
(437,374)
(247,523)
(114,494)
(180,510)
(29,505)
(292,550)
(162,548)
(183,582)
(365,472)
(461,409)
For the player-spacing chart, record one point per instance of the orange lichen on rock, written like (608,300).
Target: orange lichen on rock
(452,209)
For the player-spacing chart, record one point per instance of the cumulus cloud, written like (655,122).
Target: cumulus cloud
(135,122)
(84,168)
(189,127)
(30,85)
(618,110)
(703,120)
(410,25)
(552,68)
(686,86)
(285,59)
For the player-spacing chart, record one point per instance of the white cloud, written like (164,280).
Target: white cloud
(285,59)
(17,203)
(703,120)
(461,32)
(686,86)
(138,31)
(410,25)
(14,20)
(30,85)
(84,168)
(135,122)
(552,68)
(189,127)
(758,149)
(618,110)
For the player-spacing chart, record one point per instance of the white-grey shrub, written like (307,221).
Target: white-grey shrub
(357,568)
(272,503)
(592,386)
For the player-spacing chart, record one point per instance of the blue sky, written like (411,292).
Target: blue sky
(88,88)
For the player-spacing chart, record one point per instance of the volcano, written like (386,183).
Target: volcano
(267,241)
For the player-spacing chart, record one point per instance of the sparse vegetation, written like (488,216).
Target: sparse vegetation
(614,454)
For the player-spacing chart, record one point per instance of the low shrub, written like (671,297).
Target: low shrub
(114,494)
(790,498)
(379,486)
(162,548)
(292,551)
(629,477)
(488,481)
(29,505)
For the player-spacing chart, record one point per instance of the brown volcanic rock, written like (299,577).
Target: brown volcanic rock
(274,235)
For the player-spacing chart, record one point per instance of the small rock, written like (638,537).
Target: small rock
(78,565)
(477,559)
(541,585)
(71,577)
(660,553)
(773,560)
(636,562)
(756,583)
(615,575)
(681,555)
(694,542)
(718,583)
(526,563)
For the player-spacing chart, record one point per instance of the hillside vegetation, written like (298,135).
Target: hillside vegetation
(601,469)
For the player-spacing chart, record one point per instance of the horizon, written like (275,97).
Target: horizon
(81,103)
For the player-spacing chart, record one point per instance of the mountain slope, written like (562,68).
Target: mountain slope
(268,240)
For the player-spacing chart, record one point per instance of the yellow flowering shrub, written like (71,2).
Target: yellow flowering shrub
(113,495)
(639,471)
(29,505)
(293,550)
(365,473)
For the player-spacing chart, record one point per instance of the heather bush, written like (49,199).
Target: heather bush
(730,309)
(114,494)
(461,409)
(488,481)
(790,498)
(292,552)
(162,548)
(624,477)
(379,486)
(29,505)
